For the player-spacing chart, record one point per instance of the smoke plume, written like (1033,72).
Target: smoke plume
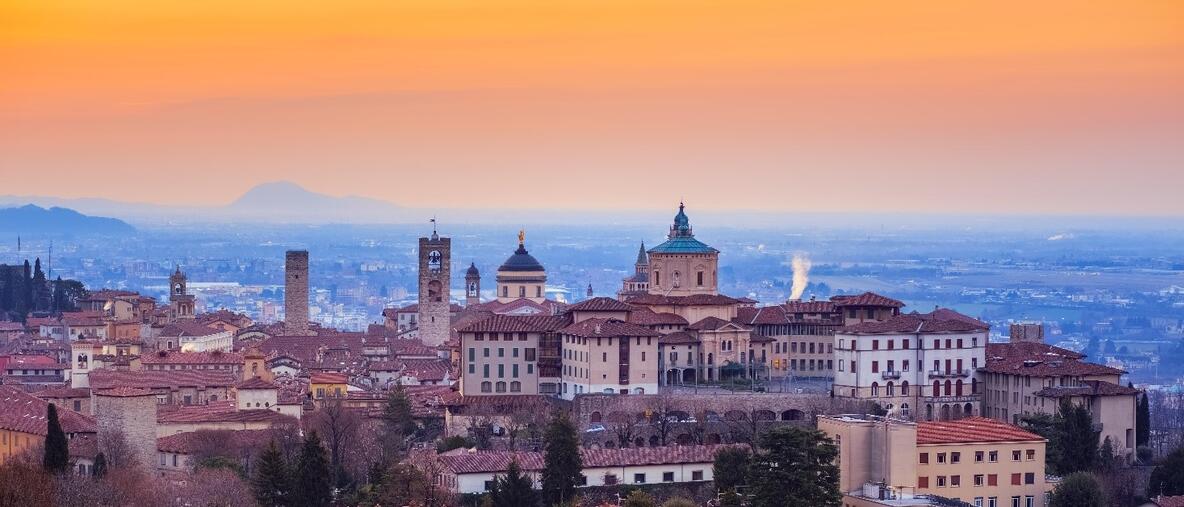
(801,276)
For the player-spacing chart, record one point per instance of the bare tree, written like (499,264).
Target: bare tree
(624,427)
(338,425)
(661,416)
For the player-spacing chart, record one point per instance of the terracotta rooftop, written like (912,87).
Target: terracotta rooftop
(971,430)
(914,323)
(462,461)
(221,411)
(646,317)
(515,324)
(255,383)
(712,324)
(866,299)
(1040,360)
(678,338)
(180,329)
(178,357)
(598,328)
(1089,388)
(193,441)
(692,300)
(599,304)
(809,306)
(328,378)
(105,378)
(123,392)
(1168,501)
(25,413)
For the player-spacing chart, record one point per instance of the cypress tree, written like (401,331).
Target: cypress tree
(561,460)
(57,450)
(314,479)
(515,489)
(40,288)
(1143,422)
(795,467)
(1078,442)
(271,483)
(100,469)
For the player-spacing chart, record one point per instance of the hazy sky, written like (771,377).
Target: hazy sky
(970,106)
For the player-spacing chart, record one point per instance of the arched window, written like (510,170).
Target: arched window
(875,389)
(710,358)
(958,387)
(538,291)
(486,387)
(904,388)
(949,387)
(891,389)
(936,388)
(675,280)
(515,386)
(973,386)
(501,387)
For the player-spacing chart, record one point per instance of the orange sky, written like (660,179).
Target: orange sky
(995,106)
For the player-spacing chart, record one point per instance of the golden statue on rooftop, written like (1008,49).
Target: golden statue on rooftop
(521,236)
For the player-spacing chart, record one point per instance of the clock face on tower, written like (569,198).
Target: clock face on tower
(434,259)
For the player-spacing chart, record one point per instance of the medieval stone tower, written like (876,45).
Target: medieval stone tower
(472,285)
(182,303)
(296,291)
(126,420)
(435,270)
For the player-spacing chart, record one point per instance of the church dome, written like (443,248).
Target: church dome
(472,271)
(521,261)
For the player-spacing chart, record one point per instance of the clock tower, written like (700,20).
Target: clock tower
(435,271)
(180,299)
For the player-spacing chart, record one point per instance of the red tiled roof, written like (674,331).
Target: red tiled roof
(179,329)
(409,347)
(1040,360)
(64,392)
(35,362)
(971,430)
(193,441)
(679,338)
(123,392)
(711,324)
(692,300)
(328,378)
(646,317)
(597,328)
(190,358)
(1089,388)
(105,378)
(913,323)
(426,369)
(25,413)
(515,324)
(255,383)
(220,411)
(866,299)
(461,461)
(84,445)
(809,306)
(762,315)
(599,304)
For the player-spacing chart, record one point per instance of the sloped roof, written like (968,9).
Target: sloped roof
(515,324)
(462,461)
(1089,388)
(1040,360)
(256,383)
(678,338)
(646,317)
(106,378)
(712,324)
(178,357)
(599,304)
(866,299)
(972,430)
(597,328)
(25,413)
(691,300)
(914,323)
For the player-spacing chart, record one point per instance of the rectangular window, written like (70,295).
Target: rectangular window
(875,344)
(978,456)
(891,344)
(992,480)
(1015,455)
(486,352)
(530,368)
(941,457)
(922,482)
(955,457)
(993,456)
(515,352)
(955,481)
(923,458)
(1015,479)
(485,370)
(669,476)
(941,481)
(697,475)
(1031,454)
(472,354)
(906,345)
(1015,501)
(501,352)
(904,365)
(514,370)
(529,353)
(979,480)
(875,367)
(639,478)
(1029,478)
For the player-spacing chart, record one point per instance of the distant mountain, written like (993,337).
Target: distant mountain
(32,219)
(287,201)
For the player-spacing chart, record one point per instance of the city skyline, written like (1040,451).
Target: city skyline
(1043,108)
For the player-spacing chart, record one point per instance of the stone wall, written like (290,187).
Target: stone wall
(127,426)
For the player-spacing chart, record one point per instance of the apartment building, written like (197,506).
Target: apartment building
(919,365)
(602,355)
(500,355)
(1028,377)
(977,460)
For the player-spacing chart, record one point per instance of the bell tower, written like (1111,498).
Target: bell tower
(183,304)
(435,271)
(472,285)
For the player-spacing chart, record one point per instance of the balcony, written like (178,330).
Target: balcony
(970,398)
(949,374)
(890,375)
